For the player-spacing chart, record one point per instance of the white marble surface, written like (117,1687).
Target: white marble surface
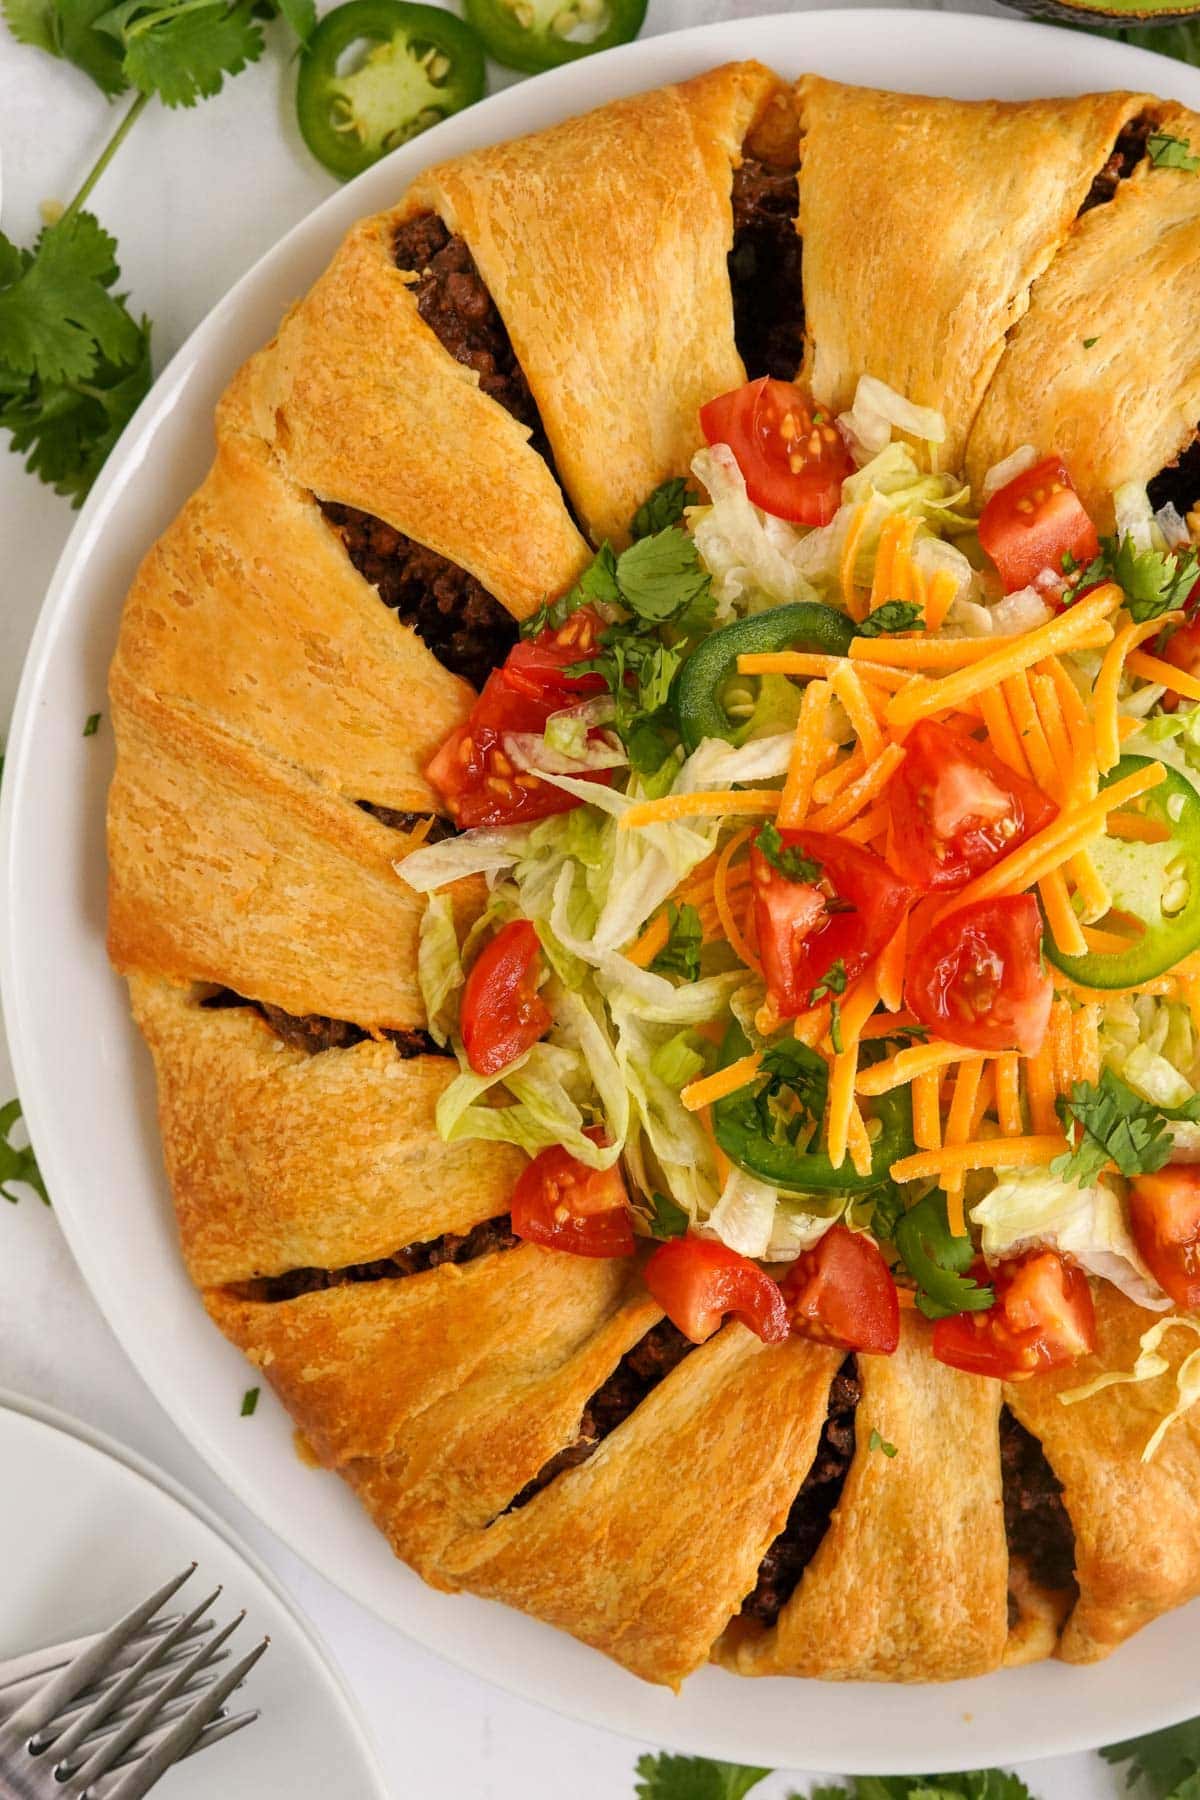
(194,198)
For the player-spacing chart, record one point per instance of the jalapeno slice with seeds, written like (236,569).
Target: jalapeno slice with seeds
(1154,885)
(743,1134)
(532,35)
(704,678)
(375,73)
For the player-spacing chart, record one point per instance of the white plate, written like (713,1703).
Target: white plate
(90,1529)
(86,1082)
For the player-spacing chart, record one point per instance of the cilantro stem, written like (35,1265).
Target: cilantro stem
(106,155)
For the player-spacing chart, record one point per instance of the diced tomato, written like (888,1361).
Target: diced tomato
(560,1203)
(1032,522)
(477,779)
(502,1013)
(1164,1213)
(1182,649)
(1042,1318)
(538,665)
(977,978)
(697,1281)
(956,808)
(847,915)
(792,457)
(842,1292)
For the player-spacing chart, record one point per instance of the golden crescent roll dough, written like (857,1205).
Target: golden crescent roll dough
(441,1395)
(924,223)
(1127,276)
(603,242)
(249,608)
(254,1200)
(910,1580)
(229,865)
(363,405)
(1137,1550)
(647,1550)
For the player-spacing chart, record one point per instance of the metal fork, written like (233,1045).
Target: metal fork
(104,1717)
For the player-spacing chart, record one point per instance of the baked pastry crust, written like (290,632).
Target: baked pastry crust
(261,692)
(1126,281)
(924,222)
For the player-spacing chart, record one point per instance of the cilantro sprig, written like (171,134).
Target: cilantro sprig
(1165,1765)
(892,616)
(74,360)
(665,506)
(938,1261)
(1153,581)
(17,1164)
(788,859)
(668,1777)
(680,955)
(1110,1123)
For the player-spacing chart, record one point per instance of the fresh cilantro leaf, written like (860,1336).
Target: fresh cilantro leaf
(893,615)
(1110,1123)
(669,1220)
(599,582)
(66,429)
(833,981)
(1167,152)
(667,1777)
(978,1784)
(66,28)
(835,1026)
(1090,343)
(1165,1763)
(791,1067)
(15,1164)
(181,50)
(249,1402)
(58,320)
(662,575)
(663,507)
(791,862)
(875,1442)
(301,15)
(680,955)
(91,725)
(938,1261)
(1154,581)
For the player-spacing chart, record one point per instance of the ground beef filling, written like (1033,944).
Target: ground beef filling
(1179,484)
(451,612)
(764,271)
(787,1558)
(1035,1519)
(491,1236)
(637,1374)
(458,309)
(1128,152)
(408,821)
(313,1033)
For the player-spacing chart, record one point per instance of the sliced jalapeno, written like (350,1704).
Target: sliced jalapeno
(375,73)
(1155,883)
(532,35)
(739,1130)
(701,687)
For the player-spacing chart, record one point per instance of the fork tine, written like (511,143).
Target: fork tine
(49,1699)
(111,1698)
(106,1754)
(39,1665)
(186,1732)
(142,1692)
(221,1727)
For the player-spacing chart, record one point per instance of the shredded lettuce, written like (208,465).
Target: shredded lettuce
(744,1216)
(753,558)
(1031,1206)
(1135,518)
(1001,473)
(530,750)
(439,966)
(673,1141)
(681,1059)
(878,410)
(1150,1364)
(548,1086)
(484,851)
